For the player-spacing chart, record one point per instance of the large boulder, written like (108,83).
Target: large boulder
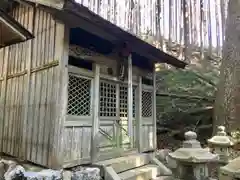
(47,174)
(86,174)
(11,170)
(78,174)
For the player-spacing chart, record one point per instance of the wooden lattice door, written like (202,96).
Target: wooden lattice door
(113,118)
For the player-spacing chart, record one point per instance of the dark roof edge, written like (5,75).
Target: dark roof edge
(16,25)
(84,12)
(139,46)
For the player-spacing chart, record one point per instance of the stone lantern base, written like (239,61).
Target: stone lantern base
(192,160)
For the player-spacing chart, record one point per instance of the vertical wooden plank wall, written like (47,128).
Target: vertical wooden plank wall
(3,80)
(13,91)
(147,136)
(61,53)
(29,94)
(77,144)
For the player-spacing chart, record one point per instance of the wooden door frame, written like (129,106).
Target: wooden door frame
(96,115)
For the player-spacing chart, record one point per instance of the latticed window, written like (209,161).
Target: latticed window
(107,99)
(147,107)
(124,101)
(79,96)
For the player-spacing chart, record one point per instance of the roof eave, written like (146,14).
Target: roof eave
(74,9)
(139,46)
(13,27)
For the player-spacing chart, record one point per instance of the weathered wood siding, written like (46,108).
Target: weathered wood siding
(77,144)
(29,81)
(111,138)
(147,136)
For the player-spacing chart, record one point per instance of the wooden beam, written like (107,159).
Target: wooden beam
(95,121)
(130,100)
(154,110)
(57,136)
(110,59)
(13,29)
(118,131)
(139,114)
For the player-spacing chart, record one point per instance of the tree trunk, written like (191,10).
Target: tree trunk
(227,105)
(186,30)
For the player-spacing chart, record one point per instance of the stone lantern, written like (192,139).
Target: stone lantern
(192,160)
(231,171)
(221,144)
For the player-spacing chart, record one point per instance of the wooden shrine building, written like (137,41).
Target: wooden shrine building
(82,90)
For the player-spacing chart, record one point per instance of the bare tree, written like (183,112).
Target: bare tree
(227,105)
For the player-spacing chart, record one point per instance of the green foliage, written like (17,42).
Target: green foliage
(183,82)
(184,91)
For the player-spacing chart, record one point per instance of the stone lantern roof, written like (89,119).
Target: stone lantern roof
(192,152)
(232,168)
(221,138)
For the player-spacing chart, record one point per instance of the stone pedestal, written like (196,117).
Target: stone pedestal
(192,160)
(221,144)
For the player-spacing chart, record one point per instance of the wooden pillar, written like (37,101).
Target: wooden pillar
(95,120)
(130,100)
(59,112)
(118,135)
(29,57)
(139,114)
(154,110)
(4,96)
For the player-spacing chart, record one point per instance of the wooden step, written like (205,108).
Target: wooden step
(127,162)
(146,172)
